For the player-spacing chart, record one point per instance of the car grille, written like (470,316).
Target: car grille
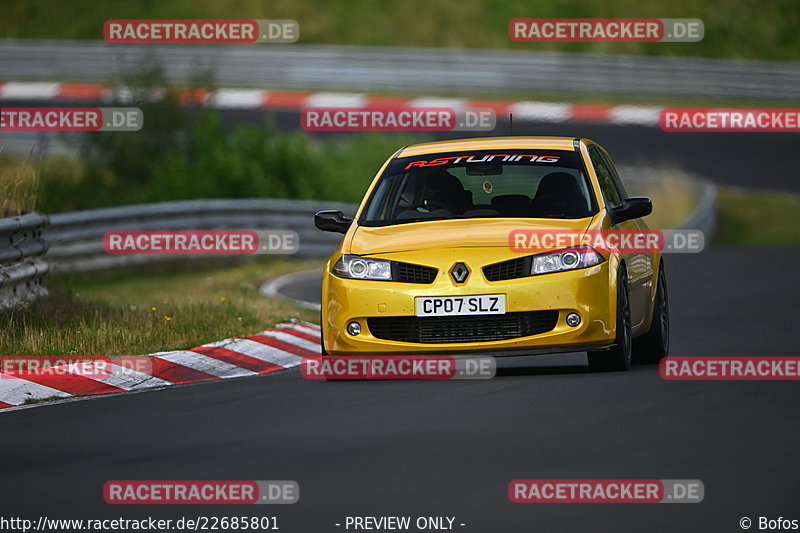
(408,273)
(477,328)
(515,268)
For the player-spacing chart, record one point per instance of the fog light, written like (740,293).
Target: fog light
(573,319)
(353,328)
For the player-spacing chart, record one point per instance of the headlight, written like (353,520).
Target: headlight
(353,266)
(567,259)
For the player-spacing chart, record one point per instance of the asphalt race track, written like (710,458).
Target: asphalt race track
(450,448)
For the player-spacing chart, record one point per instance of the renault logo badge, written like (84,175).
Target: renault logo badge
(460,272)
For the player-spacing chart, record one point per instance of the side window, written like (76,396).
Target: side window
(604,175)
(614,173)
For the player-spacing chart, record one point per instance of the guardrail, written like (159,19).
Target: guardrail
(21,268)
(76,239)
(371,68)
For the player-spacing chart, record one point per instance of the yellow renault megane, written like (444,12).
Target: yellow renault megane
(426,265)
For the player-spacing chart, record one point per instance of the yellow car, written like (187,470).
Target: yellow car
(428,266)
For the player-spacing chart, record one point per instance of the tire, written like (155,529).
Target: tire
(619,356)
(654,345)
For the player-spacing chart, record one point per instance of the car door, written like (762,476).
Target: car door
(639,264)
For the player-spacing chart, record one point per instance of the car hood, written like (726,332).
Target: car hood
(457,233)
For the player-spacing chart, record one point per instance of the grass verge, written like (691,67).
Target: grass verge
(34,401)
(757,217)
(19,182)
(137,313)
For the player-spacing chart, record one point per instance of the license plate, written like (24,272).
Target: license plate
(483,304)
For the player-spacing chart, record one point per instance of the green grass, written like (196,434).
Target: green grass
(19,183)
(145,312)
(757,217)
(733,28)
(34,401)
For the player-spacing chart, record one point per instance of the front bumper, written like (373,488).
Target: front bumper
(588,292)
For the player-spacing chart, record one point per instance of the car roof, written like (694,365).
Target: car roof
(489,143)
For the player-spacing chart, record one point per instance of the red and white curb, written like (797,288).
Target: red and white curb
(285,346)
(293,100)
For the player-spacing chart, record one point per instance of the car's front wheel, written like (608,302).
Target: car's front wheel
(617,357)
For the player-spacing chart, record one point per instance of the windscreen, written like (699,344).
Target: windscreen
(481,184)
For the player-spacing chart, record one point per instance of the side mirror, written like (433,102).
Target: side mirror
(631,208)
(332,221)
